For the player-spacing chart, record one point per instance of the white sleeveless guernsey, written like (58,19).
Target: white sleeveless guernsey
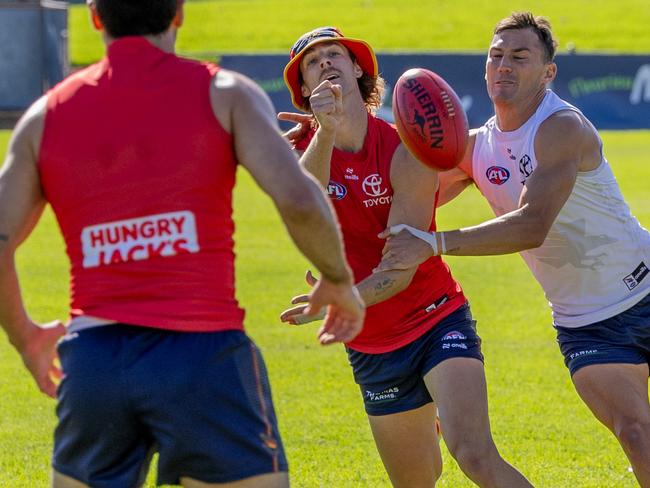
(594,262)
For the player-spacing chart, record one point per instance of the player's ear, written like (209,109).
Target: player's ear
(358,72)
(94,17)
(305,91)
(180,15)
(550,72)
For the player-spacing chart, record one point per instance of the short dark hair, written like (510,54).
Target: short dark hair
(540,25)
(135,17)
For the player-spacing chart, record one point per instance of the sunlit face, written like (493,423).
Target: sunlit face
(516,69)
(328,61)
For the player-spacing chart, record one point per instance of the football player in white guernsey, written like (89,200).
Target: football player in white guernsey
(588,252)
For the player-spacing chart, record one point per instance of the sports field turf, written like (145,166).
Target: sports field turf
(273,25)
(538,421)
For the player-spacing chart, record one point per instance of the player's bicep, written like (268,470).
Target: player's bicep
(558,155)
(21,197)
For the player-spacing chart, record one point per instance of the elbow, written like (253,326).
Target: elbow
(531,226)
(534,235)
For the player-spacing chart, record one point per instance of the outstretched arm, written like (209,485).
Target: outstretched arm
(413,197)
(244,110)
(21,205)
(565,144)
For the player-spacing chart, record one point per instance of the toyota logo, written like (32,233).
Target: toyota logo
(372,185)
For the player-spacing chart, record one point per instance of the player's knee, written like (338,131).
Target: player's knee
(472,456)
(634,435)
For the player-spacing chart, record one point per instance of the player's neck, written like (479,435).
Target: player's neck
(511,116)
(353,126)
(165,41)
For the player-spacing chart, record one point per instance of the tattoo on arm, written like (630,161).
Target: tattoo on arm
(383,285)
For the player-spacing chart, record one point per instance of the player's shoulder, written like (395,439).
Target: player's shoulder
(31,123)
(473,133)
(568,135)
(233,93)
(481,132)
(27,135)
(232,90)
(565,119)
(232,83)
(567,126)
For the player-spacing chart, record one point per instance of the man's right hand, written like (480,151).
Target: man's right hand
(326,102)
(345,311)
(38,352)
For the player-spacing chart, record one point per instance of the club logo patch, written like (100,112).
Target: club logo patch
(336,191)
(497,175)
(525,168)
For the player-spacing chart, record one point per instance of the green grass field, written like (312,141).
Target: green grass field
(219,26)
(538,421)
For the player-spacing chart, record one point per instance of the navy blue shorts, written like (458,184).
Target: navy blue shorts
(201,400)
(624,338)
(393,382)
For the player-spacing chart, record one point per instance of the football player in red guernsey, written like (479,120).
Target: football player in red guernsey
(419,343)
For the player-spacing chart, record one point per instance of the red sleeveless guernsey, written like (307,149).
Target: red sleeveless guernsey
(140,174)
(361,192)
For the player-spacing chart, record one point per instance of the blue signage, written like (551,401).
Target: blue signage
(613,91)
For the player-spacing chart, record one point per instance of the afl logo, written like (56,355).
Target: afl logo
(454,335)
(497,175)
(336,191)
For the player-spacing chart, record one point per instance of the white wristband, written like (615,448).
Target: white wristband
(443,246)
(428,237)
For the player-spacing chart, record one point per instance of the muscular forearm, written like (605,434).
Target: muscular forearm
(13,317)
(316,158)
(383,285)
(513,232)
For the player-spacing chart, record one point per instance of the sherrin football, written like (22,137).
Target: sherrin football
(430,118)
